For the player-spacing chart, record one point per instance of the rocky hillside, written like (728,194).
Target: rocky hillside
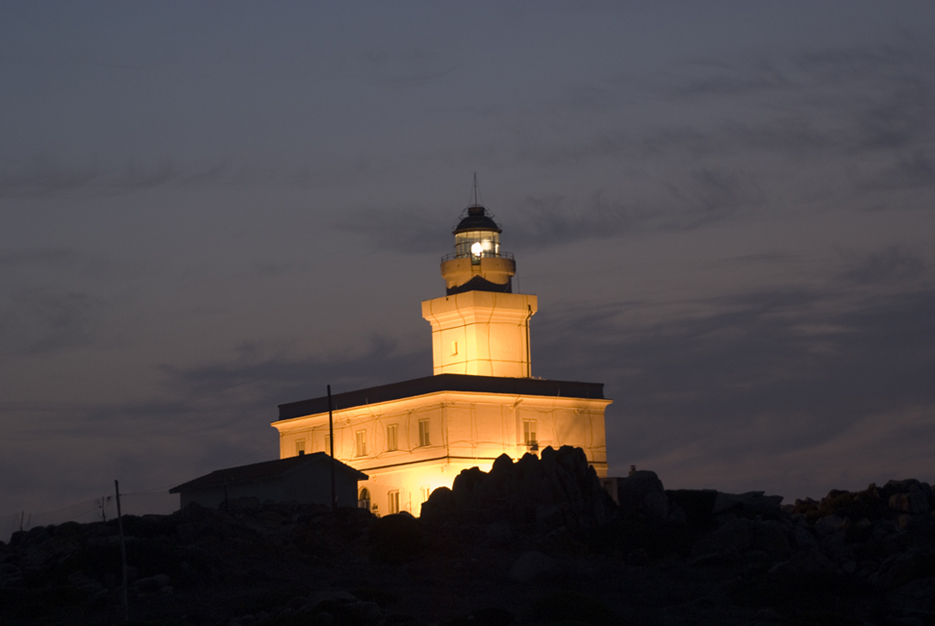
(532,542)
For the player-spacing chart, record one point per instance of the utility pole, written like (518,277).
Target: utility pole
(334,497)
(123,556)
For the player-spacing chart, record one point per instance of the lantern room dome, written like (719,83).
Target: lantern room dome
(477,218)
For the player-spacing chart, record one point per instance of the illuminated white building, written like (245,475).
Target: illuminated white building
(414,436)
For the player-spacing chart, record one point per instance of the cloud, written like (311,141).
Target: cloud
(59,262)
(906,171)
(734,154)
(46,175)
(857,61)
(271,379)
(774,375)
(694,199)
(775,256)
(51,257)
(892,265)
(406,67)
(42,321)
(404,229)
(731,80)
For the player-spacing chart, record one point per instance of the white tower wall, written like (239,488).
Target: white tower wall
(481,333)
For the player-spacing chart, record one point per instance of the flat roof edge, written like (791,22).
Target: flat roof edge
(443,382)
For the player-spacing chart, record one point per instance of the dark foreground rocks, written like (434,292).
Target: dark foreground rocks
(531,542)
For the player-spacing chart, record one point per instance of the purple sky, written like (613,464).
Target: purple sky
(727,210)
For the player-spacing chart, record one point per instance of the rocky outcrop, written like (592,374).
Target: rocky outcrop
(557,492)
(528,542)
(208,566)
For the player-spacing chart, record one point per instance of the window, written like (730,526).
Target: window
(361,442)
(426,492)
(299,447)
(529,434)
(393,502)
(363,500)
(391,443)
(424,433)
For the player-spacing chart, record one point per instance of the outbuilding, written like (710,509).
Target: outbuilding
(305,479)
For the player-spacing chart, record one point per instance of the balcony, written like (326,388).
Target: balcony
(483,255)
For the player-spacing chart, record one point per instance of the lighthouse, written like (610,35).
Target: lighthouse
(480,402)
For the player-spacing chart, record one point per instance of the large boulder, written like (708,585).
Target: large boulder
(643,491)
(396,538)
(534,566)
(559,490)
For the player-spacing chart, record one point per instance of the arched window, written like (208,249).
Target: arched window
(363,501)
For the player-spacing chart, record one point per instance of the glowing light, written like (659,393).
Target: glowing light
(477,248)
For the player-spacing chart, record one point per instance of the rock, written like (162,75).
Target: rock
(770,537)
(803,538)
(491,616)
(7,570)
(80,580)
(549,517)
(696,505)
(828,525)
(632,490)
(868,504)
(322,618)
(241,504)
(441,504)
(835,545)
(896,570)
(734,536)
(500,532)
(644,492)
(557,492)
(811,561)
(532,566)
(749,504)
(368,612)
(330,595)
(464,485)
(396,539)
(656,504)
(186,532)
(914,503)
(271,518)
(914,596)
(152,584)
(297,603)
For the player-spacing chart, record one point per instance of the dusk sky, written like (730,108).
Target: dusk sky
(726,209)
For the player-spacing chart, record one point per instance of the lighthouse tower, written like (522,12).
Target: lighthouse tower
(480,327)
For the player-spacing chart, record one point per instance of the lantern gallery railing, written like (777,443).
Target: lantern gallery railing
(482,254)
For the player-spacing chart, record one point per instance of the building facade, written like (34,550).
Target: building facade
(482,401)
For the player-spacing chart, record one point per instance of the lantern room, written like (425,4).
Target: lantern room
(477,235)
(478,264)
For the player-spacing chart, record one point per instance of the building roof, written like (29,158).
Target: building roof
(476,219)
(261,472)
(443,382)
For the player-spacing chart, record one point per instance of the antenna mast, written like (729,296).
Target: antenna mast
(475,195)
